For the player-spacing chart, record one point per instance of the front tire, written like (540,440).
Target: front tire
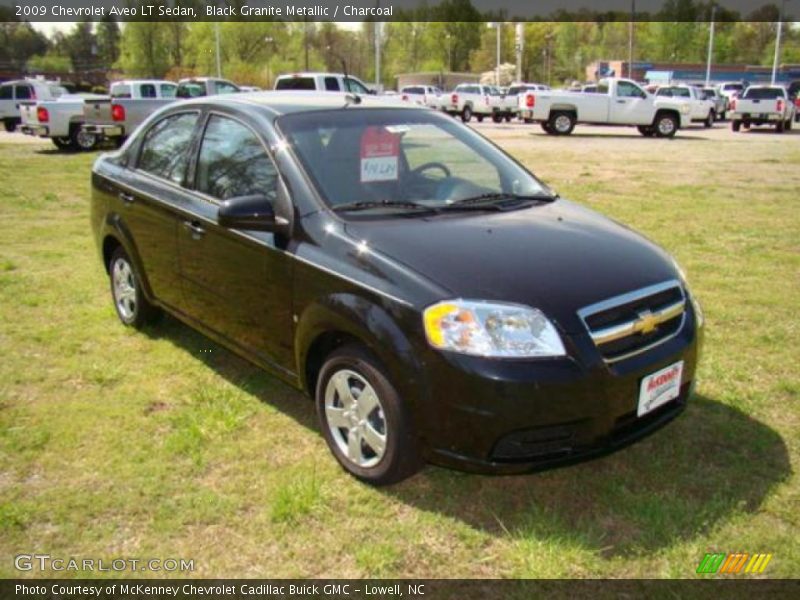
(779,127)
(364,421)
(709,122)
(132,307)
(546,128)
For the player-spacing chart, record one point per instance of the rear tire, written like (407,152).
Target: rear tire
(709,122)
(779,127)
(480,118)
(11,124)
(788,126)
(665,125)
(646,130)
(508,118)
(133,309)
(466,114)
(370,435)
(736,125)
(561,122)
(82,140)
(497,118)
(63,143)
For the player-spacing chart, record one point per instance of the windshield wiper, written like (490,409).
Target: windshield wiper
(501,199)
(367,205)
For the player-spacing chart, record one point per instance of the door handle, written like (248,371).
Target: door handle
(197,230)
(621,101)
(126,197)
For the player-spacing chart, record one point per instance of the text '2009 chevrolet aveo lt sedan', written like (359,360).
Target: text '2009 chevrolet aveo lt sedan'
(436,300)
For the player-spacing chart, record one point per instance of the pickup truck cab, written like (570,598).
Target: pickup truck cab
(616,102)
(763,105)
(701,110)
(24,90)
(468,99)
(129,103)
(196,87)
(322,82)
(424,95)
(60,120)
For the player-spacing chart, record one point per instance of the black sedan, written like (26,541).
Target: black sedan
(435,299)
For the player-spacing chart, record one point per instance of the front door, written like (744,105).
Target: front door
(237,283)
(631,105)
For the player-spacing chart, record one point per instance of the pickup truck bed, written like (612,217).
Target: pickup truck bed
(117,118)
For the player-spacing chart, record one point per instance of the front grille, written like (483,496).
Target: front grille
(632,323)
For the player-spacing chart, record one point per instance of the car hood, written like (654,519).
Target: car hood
(558,257)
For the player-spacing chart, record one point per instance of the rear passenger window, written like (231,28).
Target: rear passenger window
(147,90)
(165,149)
(234,163)
(331,84)
(168,90)
(6,92)
(23,92)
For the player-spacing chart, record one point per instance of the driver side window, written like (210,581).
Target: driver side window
(233,162)
(626,89)
(355,87)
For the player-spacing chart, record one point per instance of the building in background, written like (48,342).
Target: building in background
(672,72)
(443,80)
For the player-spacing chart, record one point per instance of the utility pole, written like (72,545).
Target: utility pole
(630,39)
(710,45)
(216,44)
(498,27)
(378,55)
(518,48)
(778,43)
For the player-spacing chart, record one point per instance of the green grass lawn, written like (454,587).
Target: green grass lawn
(115,443)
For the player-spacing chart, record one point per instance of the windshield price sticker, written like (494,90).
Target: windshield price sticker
(380,150)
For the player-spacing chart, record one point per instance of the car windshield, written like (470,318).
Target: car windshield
(385,157)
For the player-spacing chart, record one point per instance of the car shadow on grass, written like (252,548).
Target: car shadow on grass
(712,461)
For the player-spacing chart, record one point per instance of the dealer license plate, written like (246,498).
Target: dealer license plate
(659,388)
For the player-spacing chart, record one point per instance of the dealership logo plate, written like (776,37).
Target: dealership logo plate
(659,388)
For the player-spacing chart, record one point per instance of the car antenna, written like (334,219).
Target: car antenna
(349,96)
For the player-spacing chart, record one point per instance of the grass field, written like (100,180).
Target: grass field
(115,443)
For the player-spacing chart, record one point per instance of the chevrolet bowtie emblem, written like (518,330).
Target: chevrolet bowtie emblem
(646,323)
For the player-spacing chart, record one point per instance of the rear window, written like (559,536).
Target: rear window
(23,92)
(296,83)
(6,92)
(120,90)
(331,84)
(191,89)
(733,86)
(763,93)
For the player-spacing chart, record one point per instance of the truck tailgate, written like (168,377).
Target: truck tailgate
(97,111)
(28,113)
(765,106)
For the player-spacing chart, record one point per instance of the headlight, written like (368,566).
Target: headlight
(491,329)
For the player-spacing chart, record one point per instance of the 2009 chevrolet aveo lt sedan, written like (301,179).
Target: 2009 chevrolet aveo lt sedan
(437,301)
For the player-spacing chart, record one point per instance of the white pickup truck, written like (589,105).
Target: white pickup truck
(60,120)
(701,109)
(424,95)
(616,102)
(468,99)
(114,117)
(763,105)
(14,92)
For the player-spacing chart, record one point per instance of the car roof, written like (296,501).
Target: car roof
(290,101)
(314,74)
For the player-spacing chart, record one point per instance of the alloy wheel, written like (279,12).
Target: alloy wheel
(355,418)
(124,286)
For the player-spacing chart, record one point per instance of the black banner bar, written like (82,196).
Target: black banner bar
(410,589)
(396,10)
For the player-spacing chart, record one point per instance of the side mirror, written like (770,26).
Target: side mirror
(254,213)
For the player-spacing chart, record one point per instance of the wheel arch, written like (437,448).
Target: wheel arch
(116,235)
(346,318)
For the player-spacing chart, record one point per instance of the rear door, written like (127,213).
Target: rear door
(237,283)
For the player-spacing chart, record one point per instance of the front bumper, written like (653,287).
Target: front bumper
(515,416)
(37,130)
